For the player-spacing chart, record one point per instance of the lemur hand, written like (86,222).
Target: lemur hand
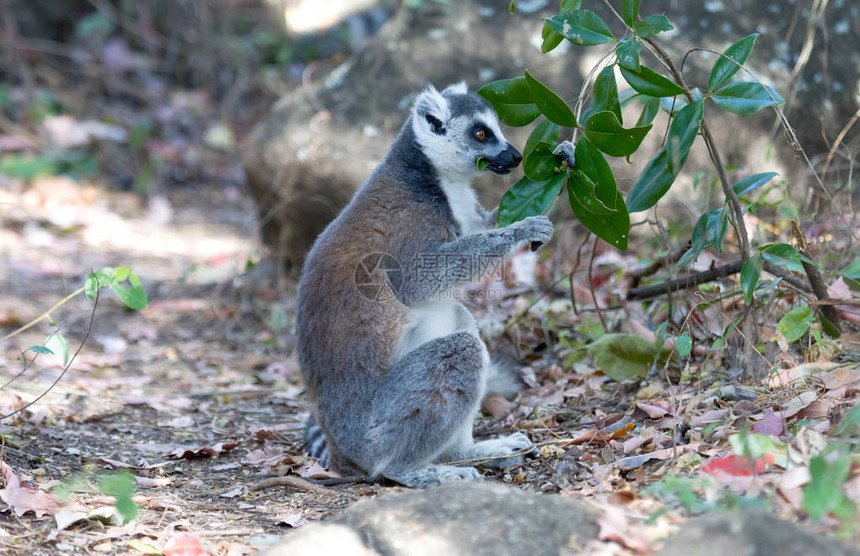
(535,229)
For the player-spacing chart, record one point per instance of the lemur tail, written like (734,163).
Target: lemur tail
(503,379)
(315,441)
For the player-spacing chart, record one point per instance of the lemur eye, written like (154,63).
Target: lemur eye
(480,134)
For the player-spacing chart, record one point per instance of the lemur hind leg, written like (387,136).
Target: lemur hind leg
(429,395)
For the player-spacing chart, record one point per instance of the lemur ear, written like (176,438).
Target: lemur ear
(431,107)
(460,88)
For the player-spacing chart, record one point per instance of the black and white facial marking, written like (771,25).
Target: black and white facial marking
(454,129)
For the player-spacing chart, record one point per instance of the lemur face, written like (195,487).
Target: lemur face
(456,128)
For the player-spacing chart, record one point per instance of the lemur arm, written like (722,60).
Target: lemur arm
(467,259)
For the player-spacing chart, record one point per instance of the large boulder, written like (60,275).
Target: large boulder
(749,533)
(452,519)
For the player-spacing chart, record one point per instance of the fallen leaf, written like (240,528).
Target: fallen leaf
(739,466)
(148,482)
(237,491)
(770,424)
(23,498)
(838,378)
(614,527)
(591,437)
(311,469)
(203,452)
(292,520)
(184,544)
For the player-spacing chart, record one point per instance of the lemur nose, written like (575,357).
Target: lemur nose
(514,155)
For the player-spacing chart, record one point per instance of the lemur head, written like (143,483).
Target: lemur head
(455,129)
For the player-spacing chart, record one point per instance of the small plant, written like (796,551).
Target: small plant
(580,167)
(132,295)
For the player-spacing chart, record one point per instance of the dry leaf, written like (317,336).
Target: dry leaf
(23,498)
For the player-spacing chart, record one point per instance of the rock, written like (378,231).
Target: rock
(451,519)
(749,533)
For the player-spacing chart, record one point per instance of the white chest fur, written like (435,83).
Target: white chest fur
(464,205)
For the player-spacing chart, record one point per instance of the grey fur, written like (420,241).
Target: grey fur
(396,377)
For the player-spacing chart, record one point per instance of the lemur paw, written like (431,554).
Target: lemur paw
(502,447)
(536,230)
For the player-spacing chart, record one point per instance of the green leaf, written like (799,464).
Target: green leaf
(649,111)
(482,164)
(582,27)
(540,164)
(623,356)
(783,255)
(753,182)
(529,198)
(660,172)
(133,297)
(605,94)
(850,421)
(512,101)
(710,230)
(750,274)
(852,270)
(627,51)
(594,197)
(745,97)
(120,486)
(725,66)
(629,11)
(648,82)
(653,25)
(546,131)
(550,104)
(609,136)
(59,346)
(795,323)
(41,350)
(824,493)
(28,166)
(584,191)
(549,38)
(684,345)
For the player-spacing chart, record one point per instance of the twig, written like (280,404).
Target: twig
(816,281)
(44,315)
(647,292)
(831,301)
(838,140)
(685,282)
(288,480)
(666,260)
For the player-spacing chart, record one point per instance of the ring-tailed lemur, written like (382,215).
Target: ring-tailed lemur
(395,368)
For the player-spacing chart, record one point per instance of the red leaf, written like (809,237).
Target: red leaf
(184,544)
(739,466)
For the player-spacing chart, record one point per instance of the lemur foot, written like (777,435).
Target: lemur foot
(434,475)
(502,447)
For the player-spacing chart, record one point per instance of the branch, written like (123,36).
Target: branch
(692,280)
